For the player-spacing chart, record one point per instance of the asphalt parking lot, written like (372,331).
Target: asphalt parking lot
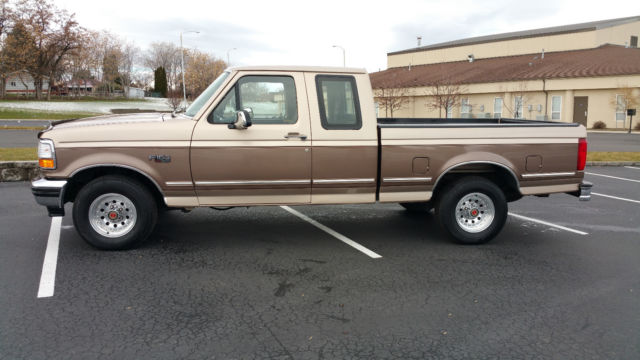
(264,283)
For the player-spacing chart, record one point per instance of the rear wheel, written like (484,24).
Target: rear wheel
(114,213)
(472,210)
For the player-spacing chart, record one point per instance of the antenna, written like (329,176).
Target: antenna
(419,40)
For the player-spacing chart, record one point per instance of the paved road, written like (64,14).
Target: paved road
(613,142)
(18,138)
(262,283)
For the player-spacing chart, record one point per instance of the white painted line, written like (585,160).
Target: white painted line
(548,224)
(633,167)
(617,198)
(333,233)
(612,177)
(48,277)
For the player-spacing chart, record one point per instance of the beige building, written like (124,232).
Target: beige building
(581,73)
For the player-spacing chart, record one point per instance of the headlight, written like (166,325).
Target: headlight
(46,154)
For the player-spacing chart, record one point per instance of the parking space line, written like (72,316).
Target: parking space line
(633,167)
(333,233)
(612,177)
(548,224)
(48,276)
(616,197)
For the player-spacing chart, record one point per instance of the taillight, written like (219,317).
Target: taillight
(582,153)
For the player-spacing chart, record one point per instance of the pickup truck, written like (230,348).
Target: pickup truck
(294,136)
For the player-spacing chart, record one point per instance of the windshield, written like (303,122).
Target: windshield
(206,95)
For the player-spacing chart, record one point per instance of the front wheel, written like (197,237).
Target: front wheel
(114,213)
(472,210)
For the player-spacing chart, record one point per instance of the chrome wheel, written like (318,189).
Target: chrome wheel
(112,215)
(475,212)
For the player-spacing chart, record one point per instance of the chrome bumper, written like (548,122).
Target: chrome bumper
(50,193)
(584,193)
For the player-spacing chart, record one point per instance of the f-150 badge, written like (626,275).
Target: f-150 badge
(160,158)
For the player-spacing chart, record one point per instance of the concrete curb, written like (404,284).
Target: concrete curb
(28,170)
(18,170)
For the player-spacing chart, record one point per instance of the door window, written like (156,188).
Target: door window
(338,101)
(271,99)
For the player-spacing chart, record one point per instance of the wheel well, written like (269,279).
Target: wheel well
(501,176)
(85,176)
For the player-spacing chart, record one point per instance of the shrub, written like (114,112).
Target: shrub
(599,125)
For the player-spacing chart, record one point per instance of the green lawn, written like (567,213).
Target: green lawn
(613,156)
(17,154)
(41,115)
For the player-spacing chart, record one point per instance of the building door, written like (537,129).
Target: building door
(580,108)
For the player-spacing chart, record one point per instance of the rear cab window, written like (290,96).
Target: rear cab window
(338,102)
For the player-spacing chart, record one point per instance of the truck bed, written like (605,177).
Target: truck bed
(467,122)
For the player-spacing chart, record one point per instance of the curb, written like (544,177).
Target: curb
(18,170)
(28,170)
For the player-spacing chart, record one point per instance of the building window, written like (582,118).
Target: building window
(556,107)
(621,107)
(465,108)
(518,105)
(497,108)
(634,42)
(13,83)
(449,111)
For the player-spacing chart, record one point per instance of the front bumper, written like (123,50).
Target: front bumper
(50,193)
(584,193)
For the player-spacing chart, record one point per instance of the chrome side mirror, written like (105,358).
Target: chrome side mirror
(243,120)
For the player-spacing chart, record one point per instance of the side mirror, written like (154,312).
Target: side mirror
(243,120)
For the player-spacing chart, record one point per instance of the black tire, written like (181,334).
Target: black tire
(472,192)
(417,207)
(137,201)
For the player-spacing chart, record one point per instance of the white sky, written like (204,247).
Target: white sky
(279,32)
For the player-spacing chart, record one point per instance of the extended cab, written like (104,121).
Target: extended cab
(299,135)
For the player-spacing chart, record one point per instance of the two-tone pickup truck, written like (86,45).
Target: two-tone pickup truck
(299,135)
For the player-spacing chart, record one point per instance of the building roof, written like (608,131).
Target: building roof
(606,60)
(556,30)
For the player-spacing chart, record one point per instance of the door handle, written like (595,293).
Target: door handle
(293,135)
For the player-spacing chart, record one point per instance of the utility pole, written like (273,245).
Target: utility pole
(228,61)
(184,86)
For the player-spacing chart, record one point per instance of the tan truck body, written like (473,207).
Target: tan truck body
(187,161)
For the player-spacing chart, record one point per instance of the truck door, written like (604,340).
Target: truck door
(267,163)
(345,140)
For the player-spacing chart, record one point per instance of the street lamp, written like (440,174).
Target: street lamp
(344,64)
(228,51)
(184,86)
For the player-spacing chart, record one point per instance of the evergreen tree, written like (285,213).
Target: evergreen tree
(160,81)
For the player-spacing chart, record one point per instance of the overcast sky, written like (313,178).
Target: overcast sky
(274,32)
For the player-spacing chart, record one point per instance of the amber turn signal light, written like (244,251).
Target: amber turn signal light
(46,163)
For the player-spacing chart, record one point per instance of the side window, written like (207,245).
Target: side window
(225,112)
(338,101)
(272,100)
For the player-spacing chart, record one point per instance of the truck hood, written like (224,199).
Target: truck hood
(127,127)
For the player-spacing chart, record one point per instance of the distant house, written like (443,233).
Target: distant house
(21,83)
(74,87)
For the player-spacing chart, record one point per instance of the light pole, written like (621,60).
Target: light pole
(228,51)
(344,64)
(184,86)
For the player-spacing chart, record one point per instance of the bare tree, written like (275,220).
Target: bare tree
(128,56)
(5,23)
(444,94)
(625,98)
(200,70)
(520,98)
(167,56)
(391,97)
(174,99)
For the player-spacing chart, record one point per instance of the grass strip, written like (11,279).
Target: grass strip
(613,156)
(20,114)
(18,154)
